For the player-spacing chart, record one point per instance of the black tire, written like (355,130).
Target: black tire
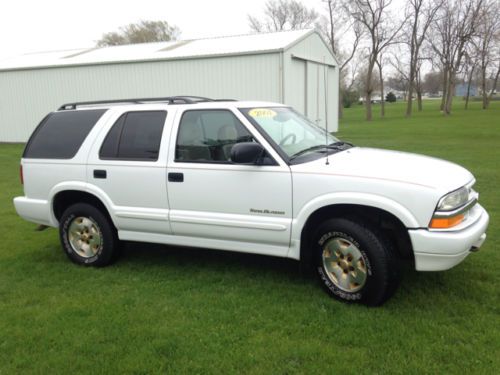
(104,252)
(382,272)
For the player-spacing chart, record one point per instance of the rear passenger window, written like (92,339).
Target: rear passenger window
(60,134)
(208,136)
(135,136)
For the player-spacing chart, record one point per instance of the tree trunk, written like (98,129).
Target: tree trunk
(483,87)
(445,87)
(368,91)
(469,83)
(494,87)
(368,105)
(382,99)
(449,93)
(409,105)
(418,88)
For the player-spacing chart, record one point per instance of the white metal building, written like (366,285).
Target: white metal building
(287,67)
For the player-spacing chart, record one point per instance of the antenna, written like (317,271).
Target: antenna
(325,79)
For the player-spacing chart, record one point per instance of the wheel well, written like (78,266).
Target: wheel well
(382,220)
(64,199)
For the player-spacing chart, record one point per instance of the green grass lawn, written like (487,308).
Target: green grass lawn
(164,309)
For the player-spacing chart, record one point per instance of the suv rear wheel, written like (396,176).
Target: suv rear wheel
(354,262)
(87,236)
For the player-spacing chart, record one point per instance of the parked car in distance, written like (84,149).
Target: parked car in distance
(252,177)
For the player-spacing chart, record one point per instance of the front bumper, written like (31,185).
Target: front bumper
(442,250)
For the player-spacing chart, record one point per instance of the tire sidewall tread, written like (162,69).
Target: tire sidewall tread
(376,250)
(107,251)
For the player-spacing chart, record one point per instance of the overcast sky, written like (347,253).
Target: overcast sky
(47,25)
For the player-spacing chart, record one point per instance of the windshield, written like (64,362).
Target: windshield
(293,133)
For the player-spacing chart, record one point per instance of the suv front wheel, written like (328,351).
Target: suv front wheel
(354,262)
(87,236)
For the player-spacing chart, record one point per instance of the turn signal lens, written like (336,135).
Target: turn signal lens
(449,222)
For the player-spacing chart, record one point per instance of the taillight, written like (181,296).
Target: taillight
(21,174)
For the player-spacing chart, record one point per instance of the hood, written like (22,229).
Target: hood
(401,167)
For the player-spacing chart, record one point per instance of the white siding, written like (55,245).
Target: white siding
(295,84)
(305,82)
(26,96)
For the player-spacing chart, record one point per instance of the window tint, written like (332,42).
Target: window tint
(209,135)
(135,136)
(60,134)
(109,148)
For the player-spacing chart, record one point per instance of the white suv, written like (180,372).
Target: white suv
(252,177)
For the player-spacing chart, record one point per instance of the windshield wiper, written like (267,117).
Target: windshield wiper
(341,144)
(332,146)
(313,148)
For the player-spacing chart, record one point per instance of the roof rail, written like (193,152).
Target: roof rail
(187,99)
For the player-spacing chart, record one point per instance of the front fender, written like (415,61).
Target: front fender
(361,199)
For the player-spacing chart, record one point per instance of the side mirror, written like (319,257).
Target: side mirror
(246,153)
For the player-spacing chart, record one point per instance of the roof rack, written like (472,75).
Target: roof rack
(187,99)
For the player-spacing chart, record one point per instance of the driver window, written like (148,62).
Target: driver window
(207,136)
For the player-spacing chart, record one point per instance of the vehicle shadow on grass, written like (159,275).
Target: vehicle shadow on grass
(415,286)
(209,259)
(417,289)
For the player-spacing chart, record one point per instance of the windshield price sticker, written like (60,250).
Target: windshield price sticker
(262,112)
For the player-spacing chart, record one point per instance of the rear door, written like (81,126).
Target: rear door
(236,207)
(127,166)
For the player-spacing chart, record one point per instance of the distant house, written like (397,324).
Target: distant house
(375,98)
(461,90)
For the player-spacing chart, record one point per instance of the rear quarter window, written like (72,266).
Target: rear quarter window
(60,134)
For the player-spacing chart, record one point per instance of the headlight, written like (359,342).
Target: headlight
(453,208)
(454,199)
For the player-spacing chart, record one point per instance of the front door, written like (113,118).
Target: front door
(234,207)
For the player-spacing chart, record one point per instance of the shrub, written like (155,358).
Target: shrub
(349,98)
(390,97)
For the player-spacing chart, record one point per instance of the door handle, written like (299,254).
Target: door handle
(100,173)
(176,177)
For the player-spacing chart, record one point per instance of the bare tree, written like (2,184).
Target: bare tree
(337,23)
(485,43)
(281,15)
(452,30)
(398,83)
(418,88)
(432,82)
(420,15)
(375,18)
(470,64)
(439,68)
(495,81)
(141,32)
(380,64)
(401,80)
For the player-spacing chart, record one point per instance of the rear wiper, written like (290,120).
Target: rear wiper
(333,146)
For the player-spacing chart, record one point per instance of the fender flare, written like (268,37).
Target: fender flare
(360,199)
(84,187)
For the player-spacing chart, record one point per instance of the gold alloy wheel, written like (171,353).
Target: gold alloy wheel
(84,237)
(344,264)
